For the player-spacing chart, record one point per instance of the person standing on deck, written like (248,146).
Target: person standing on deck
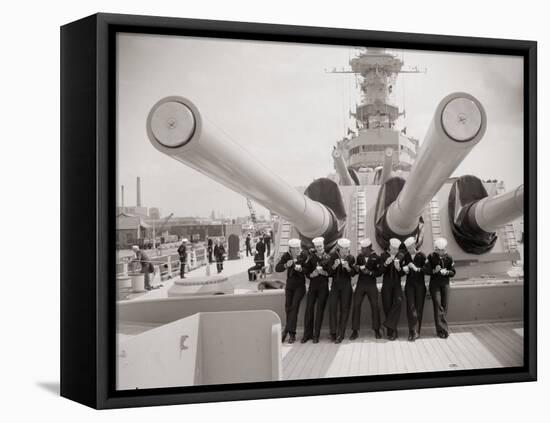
(317,270)
(440,266)
(392,292)
(415,286)
(146,266)
(182,251)
(247,242)
(219,255)
(210,249)
(368,267)
(339,300)
(293,262)
(267,243)
(260,247)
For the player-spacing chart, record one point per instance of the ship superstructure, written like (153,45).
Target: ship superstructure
(377,137)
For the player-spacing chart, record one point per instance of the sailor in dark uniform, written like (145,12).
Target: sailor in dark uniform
(259,264)
(415,286)
(247,242)
(317,270)
(440,266)
(219,254)
(367,266)
(146,266)
(260,247)
(339,300)
(182,252)
(392,292)
(293,262)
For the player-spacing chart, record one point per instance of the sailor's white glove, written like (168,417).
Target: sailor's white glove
(444,272)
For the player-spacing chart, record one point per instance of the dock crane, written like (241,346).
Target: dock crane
(251,210)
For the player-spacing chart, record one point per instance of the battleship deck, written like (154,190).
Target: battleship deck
(469,347)
(472,346)
(486,329)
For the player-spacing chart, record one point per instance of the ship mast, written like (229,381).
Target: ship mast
(376,116)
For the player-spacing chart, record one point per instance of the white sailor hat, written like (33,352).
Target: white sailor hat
(365,243)
(318,241)
(440,243)
(344,243)
(135,247)
(395,243)
(294,243)
(185,240)
(409,241)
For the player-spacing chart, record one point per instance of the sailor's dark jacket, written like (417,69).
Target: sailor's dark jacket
(372,265)
(389,273)
(340,274)
(419,261)
(445,261)
(293,275)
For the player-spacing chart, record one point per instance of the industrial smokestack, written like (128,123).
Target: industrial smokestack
(122,195)
(138,201)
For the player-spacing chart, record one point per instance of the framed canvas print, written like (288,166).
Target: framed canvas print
(254,211)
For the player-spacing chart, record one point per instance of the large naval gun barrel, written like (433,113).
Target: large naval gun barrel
(458,125)
(341,168)
(387,166)
(491,212)
(177,128)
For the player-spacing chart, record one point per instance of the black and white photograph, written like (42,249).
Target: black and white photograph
(290,211)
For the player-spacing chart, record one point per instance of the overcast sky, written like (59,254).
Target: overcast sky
(276,100)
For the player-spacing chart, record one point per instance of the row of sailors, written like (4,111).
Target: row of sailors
(401,259)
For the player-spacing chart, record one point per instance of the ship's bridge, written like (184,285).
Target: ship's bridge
(367,149)
(370,114)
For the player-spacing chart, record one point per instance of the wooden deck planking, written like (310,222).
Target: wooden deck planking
(479,354)
(317,358)
(420,347)
(498,347)
(433,356)
(508,335)
(400,359)
(381,359)
(413,356)
(468,347)
(468,361)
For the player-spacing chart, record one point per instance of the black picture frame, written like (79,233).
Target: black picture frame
(88,195)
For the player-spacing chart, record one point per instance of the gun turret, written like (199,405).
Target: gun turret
(475,217)
(458,125)
(177,128)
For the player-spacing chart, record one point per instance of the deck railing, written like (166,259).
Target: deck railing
(166,265)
